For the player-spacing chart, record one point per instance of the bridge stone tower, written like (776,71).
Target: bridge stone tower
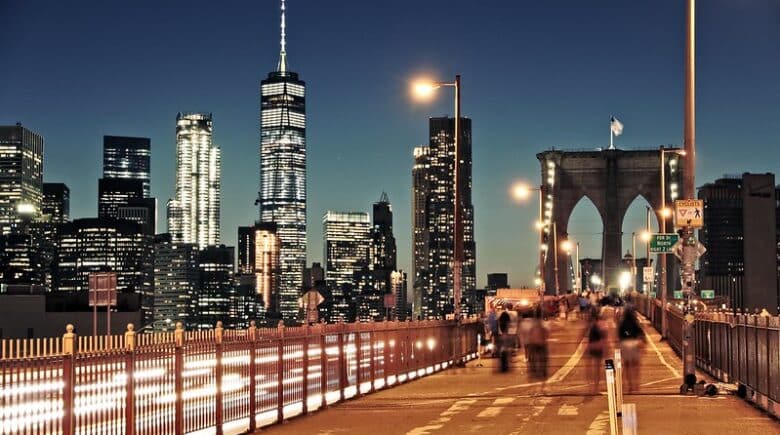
(611,179)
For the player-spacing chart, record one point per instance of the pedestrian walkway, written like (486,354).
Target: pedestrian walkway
(482,400)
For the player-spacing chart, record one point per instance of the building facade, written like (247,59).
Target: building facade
(21,175)
(282,195)
(56,202)
(176,282)
(740,233)
(214,298)
(433,217)
(346,246)
(194,213)
(129,158)
(115,192)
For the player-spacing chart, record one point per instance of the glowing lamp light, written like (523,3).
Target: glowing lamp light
(521,191)
(625,280)
(595,280)
(645,236)
(666,212)
(566,246)
(537,281)
(423,89)
(539,225)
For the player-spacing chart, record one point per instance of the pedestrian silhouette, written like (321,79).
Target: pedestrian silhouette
(696,213)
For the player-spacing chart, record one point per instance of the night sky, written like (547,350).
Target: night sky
(535,75)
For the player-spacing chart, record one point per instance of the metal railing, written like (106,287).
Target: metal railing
(737,348)
(218,381)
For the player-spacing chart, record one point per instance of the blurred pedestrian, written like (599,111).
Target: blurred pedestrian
(630,335)
(504,341)
(537,348)
(492,322)
(596,334)
(514,322)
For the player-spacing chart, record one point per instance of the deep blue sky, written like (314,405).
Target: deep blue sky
(535,75)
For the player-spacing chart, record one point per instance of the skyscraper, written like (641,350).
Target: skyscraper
(433,217)
(128,157)
(346,245)
(740,232)
(193,215)
(56,202)
(213,301)
(21,175)
(258,256)
(282,196)
(176,282)
(115,192)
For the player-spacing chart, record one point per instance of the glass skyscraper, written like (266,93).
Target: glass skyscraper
(282,196)
(193,215)
(346,248)
(21,175)
(127,157)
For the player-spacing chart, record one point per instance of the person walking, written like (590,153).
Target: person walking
(492,323)
(504,346)
(537,349)
(596,334)
(630,335)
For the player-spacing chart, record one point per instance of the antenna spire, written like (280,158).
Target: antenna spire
(282,67)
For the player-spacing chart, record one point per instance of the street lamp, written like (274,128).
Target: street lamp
(665,214)
(521,192)
(425,89)
(568,246)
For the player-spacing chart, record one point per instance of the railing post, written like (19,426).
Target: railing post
(280,372)
(252,336)
(386,353)
(358,357)
(371,337)
(178,363)
(342,364)
(68,379)
(306,334)
(323,367)
(220,418)
(129,381)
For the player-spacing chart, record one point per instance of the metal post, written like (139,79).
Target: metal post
(252,336)
(358,358)
(555,255)
(662,255)
(68,381)
(342,364)
(218,370)
(633,260)
(543,284)
(323,368)
(178,361)
(307,334)
(129,381)
(280,373)
(457,225)
(610,378)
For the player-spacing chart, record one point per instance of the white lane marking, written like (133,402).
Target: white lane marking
(658,381)
(599,424)
(459,406)
(490,412)
(661,357)
(562,372)
(424,430)
(568,410)
(503,400)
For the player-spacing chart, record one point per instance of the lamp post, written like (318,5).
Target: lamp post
(665,213)
(424,89)
(633,259)
(521,192)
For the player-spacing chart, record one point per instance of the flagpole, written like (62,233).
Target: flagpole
(611,134)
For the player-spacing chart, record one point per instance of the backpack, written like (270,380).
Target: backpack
(536,335)
(595,336)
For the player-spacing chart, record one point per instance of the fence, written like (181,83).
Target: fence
(218,381)
(737,348)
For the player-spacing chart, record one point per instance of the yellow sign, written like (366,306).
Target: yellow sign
(689,213)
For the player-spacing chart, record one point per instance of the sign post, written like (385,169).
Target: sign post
(102,292)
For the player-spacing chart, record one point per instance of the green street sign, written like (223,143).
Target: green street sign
(707,294)
(662,243)
(678,294)
(652,295)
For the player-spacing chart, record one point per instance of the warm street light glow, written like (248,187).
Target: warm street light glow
(595,280)
(423,89)
(539,225)
(666,212)
(645,236)
(543,247)
(521,191)
(566,246)
(537,281)
(625,280)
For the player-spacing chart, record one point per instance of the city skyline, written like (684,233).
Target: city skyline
(646,69)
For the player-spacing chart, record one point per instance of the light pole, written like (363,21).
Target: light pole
(424,89)
(521,192)
(555,259)
(633,260)
(665,213)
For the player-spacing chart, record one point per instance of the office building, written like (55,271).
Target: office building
(246,250)
(142,211)
(740,233)
(282,196)
(176,282)
(433,217)
(106,245)
(128,158)
(346,246)
(21,175)
(214,298)
(496,281)
(115,192)
(56,202)
(193,215)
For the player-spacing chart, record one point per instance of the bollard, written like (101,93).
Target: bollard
(629,419)
(68,339)
(610,369)
(618,383)
(219,332)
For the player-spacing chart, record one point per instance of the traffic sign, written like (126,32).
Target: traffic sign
(652,295)
(707,294)
(662,243)
(678,294)
(689,213)
(647,274)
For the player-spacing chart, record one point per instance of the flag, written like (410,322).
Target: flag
(616,126)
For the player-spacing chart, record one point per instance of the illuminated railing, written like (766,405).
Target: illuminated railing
(218,381)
